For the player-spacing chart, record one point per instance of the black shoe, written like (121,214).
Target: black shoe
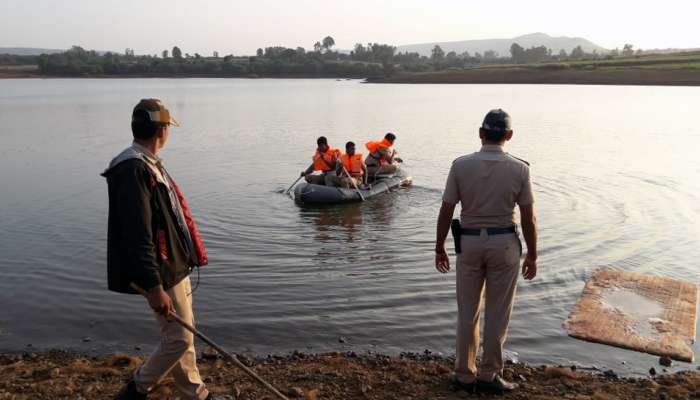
(129,392)
(467,387)
(498,386)
(213,397)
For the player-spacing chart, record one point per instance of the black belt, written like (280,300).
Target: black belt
(458,231)
(490,231)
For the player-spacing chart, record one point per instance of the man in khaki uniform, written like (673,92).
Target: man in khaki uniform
(488,184)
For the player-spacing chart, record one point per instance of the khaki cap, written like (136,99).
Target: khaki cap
(156,112)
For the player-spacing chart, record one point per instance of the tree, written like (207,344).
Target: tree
(360,53)
(328,42)
(317,47)
(129,52)
(259,52)
(451,59)
(165,53)
(490,55)
(562,54)
(577,53)
(627,50)
(216,54)
(385,55)
(177,53)
(437,54)
(517,53)
(537,54)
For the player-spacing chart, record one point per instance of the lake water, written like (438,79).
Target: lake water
(615,173)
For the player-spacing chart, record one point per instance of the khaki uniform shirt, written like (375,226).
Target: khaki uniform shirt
(488,184)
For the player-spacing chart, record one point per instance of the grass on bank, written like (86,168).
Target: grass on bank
(684,60)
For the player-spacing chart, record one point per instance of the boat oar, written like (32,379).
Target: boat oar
(295,182)
(218,348)
(353,183)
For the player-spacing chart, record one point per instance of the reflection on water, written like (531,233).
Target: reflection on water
(326,219)
(611,190)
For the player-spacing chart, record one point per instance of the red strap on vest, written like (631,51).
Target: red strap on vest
(202,258)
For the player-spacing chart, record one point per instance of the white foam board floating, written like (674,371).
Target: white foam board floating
(636,311)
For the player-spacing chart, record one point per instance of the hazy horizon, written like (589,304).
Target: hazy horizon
(241,28)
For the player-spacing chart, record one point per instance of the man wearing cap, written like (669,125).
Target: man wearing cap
(153,242)
(488,184)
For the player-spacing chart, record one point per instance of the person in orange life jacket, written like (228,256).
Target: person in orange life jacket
(326,160)
(382,158)
(354,166)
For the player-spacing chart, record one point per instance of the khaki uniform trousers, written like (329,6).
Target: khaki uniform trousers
(175,353)
(384,169)
(347,181)
(323,179)
(494,262)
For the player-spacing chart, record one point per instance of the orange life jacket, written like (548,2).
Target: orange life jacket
(353,164)
(324,161)
(375,146)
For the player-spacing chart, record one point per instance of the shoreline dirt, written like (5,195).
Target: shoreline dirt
(346,376)
(19,71)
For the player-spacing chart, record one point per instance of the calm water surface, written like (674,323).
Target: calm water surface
(615,171)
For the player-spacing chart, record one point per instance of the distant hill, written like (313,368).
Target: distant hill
(27,51)
(502,46)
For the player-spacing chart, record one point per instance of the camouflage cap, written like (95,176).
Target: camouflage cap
(156,112)
(496,121)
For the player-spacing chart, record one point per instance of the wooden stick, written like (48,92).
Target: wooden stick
(290,188)
(216,347)
(295,182)
(353,183)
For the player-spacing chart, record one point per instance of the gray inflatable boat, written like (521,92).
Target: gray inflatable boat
(309,193)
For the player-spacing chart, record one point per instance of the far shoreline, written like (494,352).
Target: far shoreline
(32,72)
(673,78)
(535,76)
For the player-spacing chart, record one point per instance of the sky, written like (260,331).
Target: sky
(240,27)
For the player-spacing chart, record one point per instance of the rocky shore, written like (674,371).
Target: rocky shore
(346,376)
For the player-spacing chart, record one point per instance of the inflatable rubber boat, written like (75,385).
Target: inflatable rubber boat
(309,193)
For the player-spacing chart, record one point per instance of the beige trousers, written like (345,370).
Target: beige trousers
(334,180)
(323,179)
(175,353)
(347,181)
(490,261)
(384,169)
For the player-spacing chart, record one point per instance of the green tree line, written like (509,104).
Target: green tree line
(363,61)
